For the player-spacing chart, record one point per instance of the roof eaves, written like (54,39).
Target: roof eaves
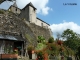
(43,21)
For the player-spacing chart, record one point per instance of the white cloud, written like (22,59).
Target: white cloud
(63,26)
(41,5)
(45,10)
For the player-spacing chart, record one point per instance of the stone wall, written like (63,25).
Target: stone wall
(40,31)
(41,23)
(11,24)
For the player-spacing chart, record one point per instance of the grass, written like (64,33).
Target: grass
(1,12)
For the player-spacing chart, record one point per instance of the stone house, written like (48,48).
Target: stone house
(14,8)
(29,13)
(15,34)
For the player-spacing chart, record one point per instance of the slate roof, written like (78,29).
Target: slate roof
(42,21)
(14,5)
(29,4)
(11,37)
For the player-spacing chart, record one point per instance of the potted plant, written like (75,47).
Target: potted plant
(59,42)
(30,48)
(40,55)
(15,51)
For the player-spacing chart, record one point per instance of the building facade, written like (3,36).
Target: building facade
(14,8)
(29,13)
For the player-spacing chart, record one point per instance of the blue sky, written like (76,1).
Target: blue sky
(62,12)
(59,16)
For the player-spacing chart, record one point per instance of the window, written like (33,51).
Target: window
(42,24)
(16,9)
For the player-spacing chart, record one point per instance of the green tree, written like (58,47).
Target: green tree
(71,39)
(79,52)
(69,34)
(41,43)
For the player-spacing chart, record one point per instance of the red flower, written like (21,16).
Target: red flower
(59,42)
(15,49)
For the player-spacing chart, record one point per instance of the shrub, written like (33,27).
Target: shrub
(30,48)
(40,55)
(59,42)
(51,40)
(61,49)
(52,48)
(1,12)
(41,39)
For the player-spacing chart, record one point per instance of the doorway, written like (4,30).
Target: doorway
(19,46)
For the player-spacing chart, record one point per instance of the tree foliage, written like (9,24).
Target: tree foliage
(69,34)
(41,39)
(79,52)
(72,39)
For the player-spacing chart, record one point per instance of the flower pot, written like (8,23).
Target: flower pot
(9,56)
(30,54)
(45,56)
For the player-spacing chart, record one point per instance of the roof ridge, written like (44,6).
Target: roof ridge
(15,4)
(30,4)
